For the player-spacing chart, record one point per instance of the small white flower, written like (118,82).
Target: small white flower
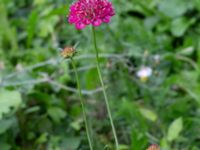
(2,65)
(19,67)
(144,73)
(157,59)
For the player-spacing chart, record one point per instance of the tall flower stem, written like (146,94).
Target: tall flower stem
(82,104)
(104,90)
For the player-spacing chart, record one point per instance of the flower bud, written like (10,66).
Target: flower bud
(68,52)
(154,147)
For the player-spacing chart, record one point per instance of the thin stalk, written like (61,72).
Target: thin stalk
(82,104)
(104,90)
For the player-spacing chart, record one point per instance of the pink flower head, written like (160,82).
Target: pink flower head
(86,12)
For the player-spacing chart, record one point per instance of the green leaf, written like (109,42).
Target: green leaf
(76,124)
(164,144)
(56,114)
(174,129)
(148,114)
(42,138)
(91,77)
(39,2)
(31,27)
(174,8)
(5,124)
(197,4)
(8,100)
(180,25)
(5,146)
(46,26)
(123,147)
(70,143)
(187,51)
(188,81)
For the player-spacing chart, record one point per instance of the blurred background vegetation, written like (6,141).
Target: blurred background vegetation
(39,105)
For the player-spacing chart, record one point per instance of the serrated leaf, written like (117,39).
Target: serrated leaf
(174,129)
(8,100)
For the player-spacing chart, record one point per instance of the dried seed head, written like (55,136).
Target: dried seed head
(68,52)
(154,147)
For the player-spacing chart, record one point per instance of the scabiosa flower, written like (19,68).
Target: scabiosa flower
(86,12)
(154,147)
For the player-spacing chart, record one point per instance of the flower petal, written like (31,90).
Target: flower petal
(80,25)
(97,22)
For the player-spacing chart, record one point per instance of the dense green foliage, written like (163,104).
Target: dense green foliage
(39,104)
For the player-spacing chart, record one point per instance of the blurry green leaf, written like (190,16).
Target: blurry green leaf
(42,98)
(123,147)
(39,2)
(174,8)
(5,146)
(5,124)
(195,148)
(46,26)
(45,13)
(174,129)
(189,82)
(187,51)
(42,138)
(149,114)
(56,114)
(142,7)
(45,125)
(138,139)
(8,100)
(63,10)
(70,143)
(164,144)
(8,32)
(31,26)
(91,77)
(76,124)
(151,22)
(180,25)
(198,54)
(32,109)
(197,4)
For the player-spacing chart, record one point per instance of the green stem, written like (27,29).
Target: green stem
(104,90)
(82,104)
